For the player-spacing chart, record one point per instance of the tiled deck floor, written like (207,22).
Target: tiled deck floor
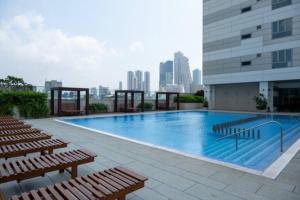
(171,176)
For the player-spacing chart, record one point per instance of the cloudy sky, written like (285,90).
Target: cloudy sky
(95,42)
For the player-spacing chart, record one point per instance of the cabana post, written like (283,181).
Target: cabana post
(61,111)
(167,102)
(132,94)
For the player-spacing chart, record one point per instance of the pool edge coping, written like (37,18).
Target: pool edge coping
(270,172)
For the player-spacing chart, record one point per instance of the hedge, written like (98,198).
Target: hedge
(97,107)
(30,104)
(189,99)
(147,106)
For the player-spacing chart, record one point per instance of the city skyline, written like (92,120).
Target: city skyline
(38,44)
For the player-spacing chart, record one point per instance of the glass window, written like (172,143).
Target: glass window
(280,3)
(247,9)
(282,58)
(282,28)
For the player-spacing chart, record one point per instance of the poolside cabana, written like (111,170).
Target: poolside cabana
(66,109)
(132,94)
(167,100)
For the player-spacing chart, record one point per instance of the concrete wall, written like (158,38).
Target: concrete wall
(236,96)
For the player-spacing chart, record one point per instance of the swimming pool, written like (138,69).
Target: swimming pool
(190,132)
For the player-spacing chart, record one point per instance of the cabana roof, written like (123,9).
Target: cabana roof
(69,89)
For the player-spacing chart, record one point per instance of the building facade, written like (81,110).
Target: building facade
(197,77)
(147,81)
(182,73)
(94,92)
(103,91)
(139,80)
(120,85)
(165,73)
(52,84)
(252,47)
(130,80)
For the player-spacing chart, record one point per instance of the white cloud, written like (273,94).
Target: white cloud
(28,46)
(137,46)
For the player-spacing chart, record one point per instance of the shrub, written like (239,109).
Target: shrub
(200,93)
(189,99)
(261,102)
(30,104)
(147,106)
(98,107)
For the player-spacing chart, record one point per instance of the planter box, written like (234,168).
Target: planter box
(190,106)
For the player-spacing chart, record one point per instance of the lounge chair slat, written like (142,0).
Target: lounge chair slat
(101,190)
(102,183)
(74,191)
(54,193)
(83,190)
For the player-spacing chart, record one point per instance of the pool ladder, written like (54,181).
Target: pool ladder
(237,134)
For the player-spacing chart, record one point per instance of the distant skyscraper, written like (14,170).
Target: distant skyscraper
(197,76)
(139,80)
(182,74)
(130,80)
(165,73)
(147,81)
(94,92)
(120,85)
(51,84)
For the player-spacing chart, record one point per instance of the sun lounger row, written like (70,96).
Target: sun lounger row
(14,139)
(14,127)
(7,123)
(19,139)
(22,149)
(19,131)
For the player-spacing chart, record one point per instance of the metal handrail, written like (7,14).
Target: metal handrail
(253,127)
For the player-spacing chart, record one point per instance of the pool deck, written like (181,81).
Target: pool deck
(171,176)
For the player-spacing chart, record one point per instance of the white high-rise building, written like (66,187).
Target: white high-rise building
(146,81)
(139,80)
(182,73)
(197,76)
(130,80)
(120,85)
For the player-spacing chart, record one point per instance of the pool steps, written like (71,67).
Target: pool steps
(247,152)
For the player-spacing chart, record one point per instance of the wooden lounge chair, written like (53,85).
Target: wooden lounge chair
(14,127)
(19,170)
(19,132)
(24,138)
(21,149)
(70,109)
(109,184)
(8,123)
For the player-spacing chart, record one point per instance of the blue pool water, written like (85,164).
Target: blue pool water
(191,132)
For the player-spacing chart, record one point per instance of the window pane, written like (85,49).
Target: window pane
(289,55)
(281,26)
(274,27)
(288,24)
(281,56)
(274,57)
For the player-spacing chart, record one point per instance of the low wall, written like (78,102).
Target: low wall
(190,106)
